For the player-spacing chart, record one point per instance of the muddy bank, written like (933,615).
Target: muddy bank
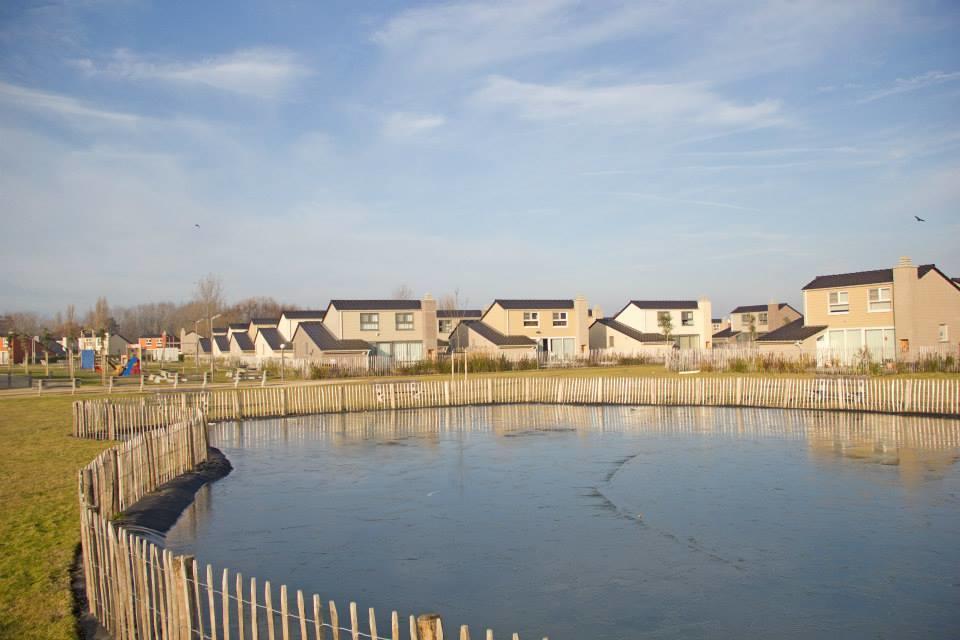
(157,510)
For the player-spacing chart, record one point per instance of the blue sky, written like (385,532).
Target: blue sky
(517,149)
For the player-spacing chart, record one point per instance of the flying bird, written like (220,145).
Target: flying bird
(198,226)
(919,219)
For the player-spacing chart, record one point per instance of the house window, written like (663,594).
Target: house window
(531,318)
(942,333)
(404,322)
(762,317)
(610,339)
(559,318)
(444,325)
(686,318)
(746,318)
(369,322)
(879,299)
(838,302)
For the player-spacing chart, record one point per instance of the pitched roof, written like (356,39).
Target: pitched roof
(219,330)
(850,279)
(223,344)
(725,333)
(501,340)
(530,303)
(664,304)
(957,280)
(264,321)
(459,313)
(205,345)
(303,314)
(374,305)
(630,332)
(239,325)
(243,341)
(791,332)
(318,333)
(272,337)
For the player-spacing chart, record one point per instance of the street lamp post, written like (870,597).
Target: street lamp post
(196,347)
(212,318)
(283,345)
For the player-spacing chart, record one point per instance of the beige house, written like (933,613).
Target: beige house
(241,345)
(405,330)
(691,320)
(879,313)
(749,322)
(560,328)
(290,320)
(449,319)
(268,343)
(314,342)
(256,324)
(234,327)
(475,337)
(615,338)
(221,345)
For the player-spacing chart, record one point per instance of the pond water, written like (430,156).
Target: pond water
(600,522)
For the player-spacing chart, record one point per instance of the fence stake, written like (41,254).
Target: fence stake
(429,626)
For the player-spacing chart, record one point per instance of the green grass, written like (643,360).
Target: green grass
(39,519)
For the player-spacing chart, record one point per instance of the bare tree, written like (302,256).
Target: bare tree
(70,328)
(450,301)
(100,317)
(403,292)
(208,295)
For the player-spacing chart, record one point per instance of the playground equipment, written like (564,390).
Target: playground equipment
(131,368)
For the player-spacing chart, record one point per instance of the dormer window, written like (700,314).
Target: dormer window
(839,302)
(880,300)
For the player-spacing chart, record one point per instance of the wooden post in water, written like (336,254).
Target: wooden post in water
(429,627)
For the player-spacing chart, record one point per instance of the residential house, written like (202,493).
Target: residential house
(748,322)
(269,343)
(161,346)
(313,341)
(719,324)
(613,337)
(448,319)
(877,313)
(221,345)
(241,345)
(235,327)
(560,328)
(114,343)
(290,320)
(405,330)
(690,321)
(188,343)
(476,337)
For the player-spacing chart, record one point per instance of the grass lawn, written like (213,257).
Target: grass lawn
(39,520)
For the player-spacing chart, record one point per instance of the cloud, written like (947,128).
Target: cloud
(63,106)
(475,34)
(401,125)
(916,83)
(618,104)
(260,72)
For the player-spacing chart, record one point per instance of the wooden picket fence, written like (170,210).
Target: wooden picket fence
(141,591)
(124,417)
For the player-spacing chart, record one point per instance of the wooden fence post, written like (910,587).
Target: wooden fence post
(739,397)
(429,627)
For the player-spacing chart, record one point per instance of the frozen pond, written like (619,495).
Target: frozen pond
(600,522)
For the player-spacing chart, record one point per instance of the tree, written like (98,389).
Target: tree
(100,316)
(665,322)
(752,327)
(208,296)
(450,301)
(403,292)
(70,328)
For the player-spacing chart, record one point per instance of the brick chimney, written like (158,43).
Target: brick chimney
(429,307)
(706,322)
(904,302)
(580,307)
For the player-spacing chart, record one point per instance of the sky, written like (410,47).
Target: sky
(618,150)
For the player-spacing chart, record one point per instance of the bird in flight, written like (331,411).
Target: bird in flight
(198,226)
(919,219)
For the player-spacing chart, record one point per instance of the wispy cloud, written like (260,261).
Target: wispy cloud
(916,83)
(400,125)
(474,34)
(699,203)
(63,106)
(623,103)
(261,72)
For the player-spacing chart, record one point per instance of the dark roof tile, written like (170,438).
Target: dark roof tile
(375,305)
(459,313)
(791,332)
(243,341)
(304,314)
(531,303)
(664,304)
(318,333)
(272,336)
(630,332)
(486,331)
(725,333)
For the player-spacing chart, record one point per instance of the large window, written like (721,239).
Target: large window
(838,302)
(879,299)
(687,342)
(686,318)
(559,318)
(404,322)
(531,318)
(746,318)
(444,325)
(369,322)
